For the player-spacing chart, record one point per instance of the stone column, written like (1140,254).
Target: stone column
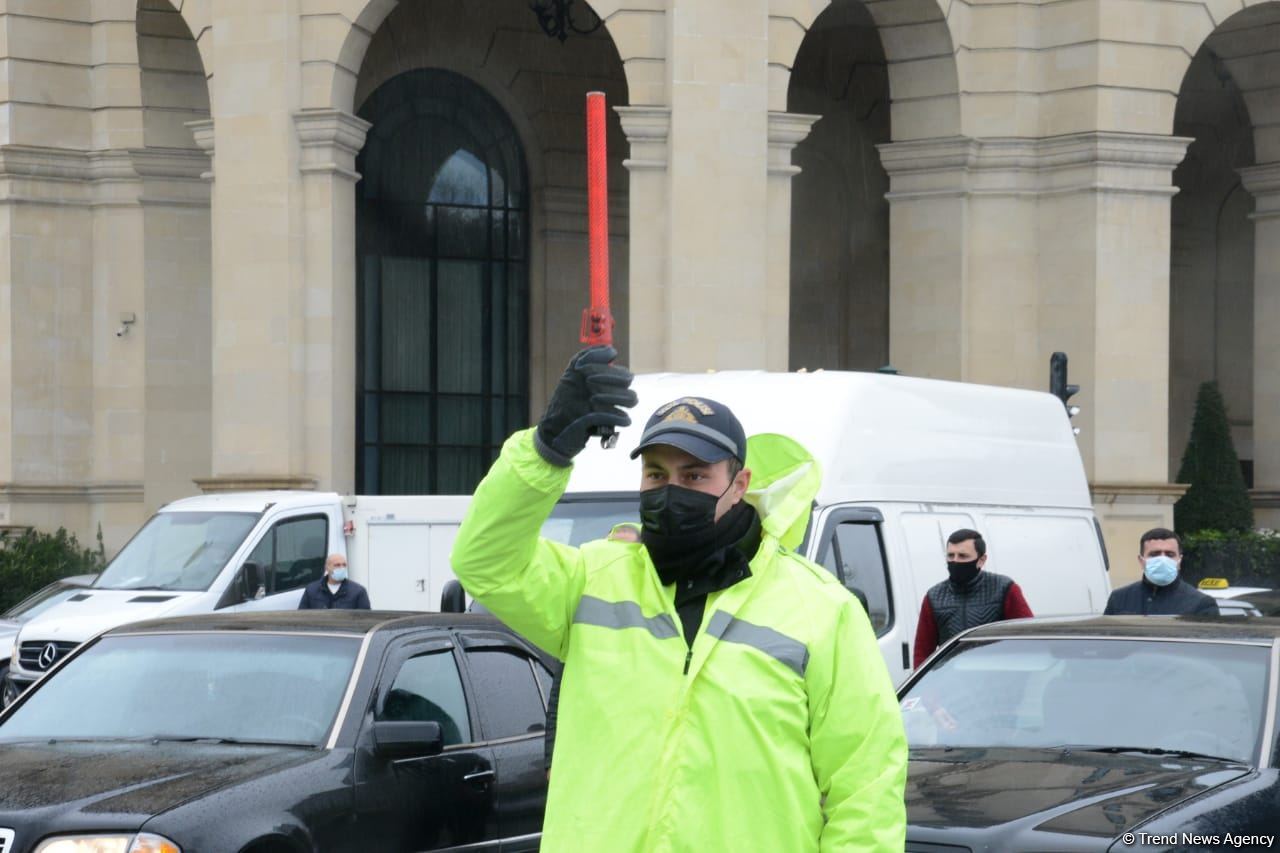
(928,254)
(786,131)
(718,60)
(1263,182)
(330,140)
(1104,242)
(647,130)
(1004,251)
(259,226)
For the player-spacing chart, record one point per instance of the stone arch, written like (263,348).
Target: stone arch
(839,316)
(1223,267)
(198,17)
(335,42)
(174,86)
(918,47)
(539,83)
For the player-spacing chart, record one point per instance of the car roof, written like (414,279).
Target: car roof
(1206,628)
(357,623)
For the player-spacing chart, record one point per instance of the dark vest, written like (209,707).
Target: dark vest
(956,610)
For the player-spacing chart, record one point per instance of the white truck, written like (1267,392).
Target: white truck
(904,463)
(245,551)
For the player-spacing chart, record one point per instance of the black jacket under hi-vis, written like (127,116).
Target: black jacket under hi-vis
(1144,598)
(957,608)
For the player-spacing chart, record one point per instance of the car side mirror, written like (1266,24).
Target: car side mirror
(402,739)
(251,580)
(454,598)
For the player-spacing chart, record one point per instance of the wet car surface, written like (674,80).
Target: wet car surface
(1070,734)
(326,730)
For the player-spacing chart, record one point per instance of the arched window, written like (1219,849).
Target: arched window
(442,282)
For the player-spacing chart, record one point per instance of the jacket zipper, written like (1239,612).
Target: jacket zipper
(688,658)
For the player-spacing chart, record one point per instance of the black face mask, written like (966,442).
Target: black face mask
(676,511)
(962,573)
(681,534)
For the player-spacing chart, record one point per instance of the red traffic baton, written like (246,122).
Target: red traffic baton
(597,321)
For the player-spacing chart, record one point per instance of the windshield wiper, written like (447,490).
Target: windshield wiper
(1150,750)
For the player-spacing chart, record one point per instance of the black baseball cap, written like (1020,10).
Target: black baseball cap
(703,428)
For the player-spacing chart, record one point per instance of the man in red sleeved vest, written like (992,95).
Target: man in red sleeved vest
(968,598)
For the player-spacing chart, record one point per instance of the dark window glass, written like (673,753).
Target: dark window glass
(507,694)
(443,296)
(854,555)
(292,553)
(427,689)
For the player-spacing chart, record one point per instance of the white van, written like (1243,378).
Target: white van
(246,551)
(904,462)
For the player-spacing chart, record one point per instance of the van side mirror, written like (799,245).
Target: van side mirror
(454,598)
(403,739)
(252,580)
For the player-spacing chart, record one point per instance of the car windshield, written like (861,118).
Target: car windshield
(1207,698)
(178,551)
(34,604)
(576,521)
(240,687)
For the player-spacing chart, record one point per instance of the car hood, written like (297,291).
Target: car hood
(1024,799)
(100,609)
(119,785)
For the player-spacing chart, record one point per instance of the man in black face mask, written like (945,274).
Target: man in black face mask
(719,692)
(968,598)
(698,530)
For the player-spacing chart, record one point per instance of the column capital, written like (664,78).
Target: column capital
(330,141)
(202,132)
(786,131)
(1263,183)
(1105,162)
(647,130)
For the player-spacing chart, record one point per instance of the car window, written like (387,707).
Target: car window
(507,695)
(292,553)
(427,689)
(854,555)
(1202,697)
(220,684)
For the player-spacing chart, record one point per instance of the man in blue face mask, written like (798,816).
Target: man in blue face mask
(1160,592)
(334,591)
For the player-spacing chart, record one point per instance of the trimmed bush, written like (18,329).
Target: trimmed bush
(35,560)
(1217,498)
(1246,558)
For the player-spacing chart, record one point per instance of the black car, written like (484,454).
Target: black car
(281,732)
(1096,734)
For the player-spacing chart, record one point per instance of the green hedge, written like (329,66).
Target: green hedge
(34,560)
(1244,558)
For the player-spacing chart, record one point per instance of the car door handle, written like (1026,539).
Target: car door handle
(479,776)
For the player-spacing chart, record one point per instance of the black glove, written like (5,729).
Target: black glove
(588,397)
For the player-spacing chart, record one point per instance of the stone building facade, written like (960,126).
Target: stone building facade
(198,289)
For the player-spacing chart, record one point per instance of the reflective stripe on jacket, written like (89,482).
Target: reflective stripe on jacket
(782,704)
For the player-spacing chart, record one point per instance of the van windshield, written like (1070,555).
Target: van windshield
(578,518)
(178,551)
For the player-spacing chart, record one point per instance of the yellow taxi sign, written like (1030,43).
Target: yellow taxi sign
(1214,583)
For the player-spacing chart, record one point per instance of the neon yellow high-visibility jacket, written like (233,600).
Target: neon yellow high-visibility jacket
(778,731)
